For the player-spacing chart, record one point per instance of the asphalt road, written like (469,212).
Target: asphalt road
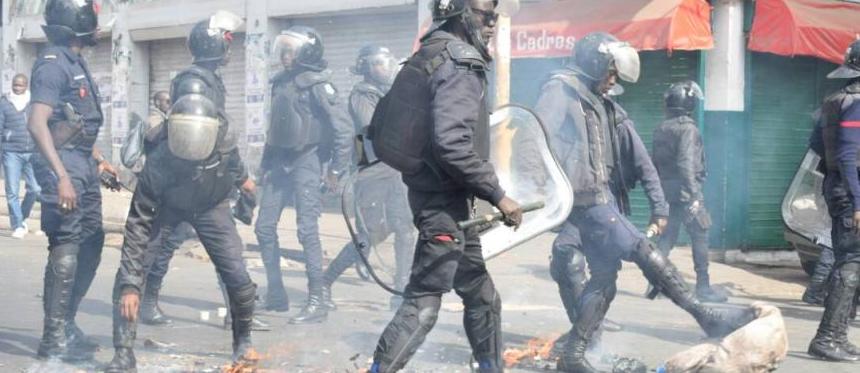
(653,329)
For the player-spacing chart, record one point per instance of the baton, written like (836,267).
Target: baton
(489,218)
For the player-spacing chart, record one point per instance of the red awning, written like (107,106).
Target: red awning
(818,28)
(549,29)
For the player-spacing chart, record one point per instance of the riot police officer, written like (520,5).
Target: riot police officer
(579,116)
(634,165)
(65,120)
(433,126)
(308,127)
(680,159)
(198,143)
(841,139)
(379,192)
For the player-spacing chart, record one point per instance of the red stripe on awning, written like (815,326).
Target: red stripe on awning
(817,28)
(851,124)
(550,29)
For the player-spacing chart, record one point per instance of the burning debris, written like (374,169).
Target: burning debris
(537,353)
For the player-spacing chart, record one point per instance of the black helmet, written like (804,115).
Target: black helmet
(448,10)
(683,97)
(308,45)
(210,40)
(366,56)
(69,19)
(850,69)
(595,53)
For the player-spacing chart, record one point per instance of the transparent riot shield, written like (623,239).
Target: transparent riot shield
(529,173)
(379,219)
(804,212)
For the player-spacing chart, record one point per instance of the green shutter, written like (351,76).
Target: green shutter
(785,93)
(644,103)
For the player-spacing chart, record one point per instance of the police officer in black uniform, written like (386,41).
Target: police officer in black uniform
(308,127)
(679,155)
(65,120)
(433,126)
(189,177)
(380,195)
(841,139)
(580,118)
(634,165)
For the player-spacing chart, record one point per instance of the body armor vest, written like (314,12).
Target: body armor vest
(401,126)
(831,112)
(295,121)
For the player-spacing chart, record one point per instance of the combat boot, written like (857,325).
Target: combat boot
(150,312)
(661,272)
(123,361)
(327,302)
(57,296)
(313,312)
(831,340)
(573,358)
(77,341)
(814,294)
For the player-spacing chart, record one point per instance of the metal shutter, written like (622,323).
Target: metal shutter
(785,92)
(344,35)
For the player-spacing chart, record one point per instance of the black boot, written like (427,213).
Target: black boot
(77,341)
(257,325)
(831,340)
(705,292)
(314,311)
(592,309)
(814,295)
(150,312)
(123,362)
(327,302)
(242,307)
(57,296)
(663,275)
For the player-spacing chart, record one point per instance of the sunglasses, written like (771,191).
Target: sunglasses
(487,16)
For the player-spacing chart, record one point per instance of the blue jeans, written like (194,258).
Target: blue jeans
(15,166)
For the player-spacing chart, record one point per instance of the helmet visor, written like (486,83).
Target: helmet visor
(226,21)
(626,60)
(191,136)
(288,43)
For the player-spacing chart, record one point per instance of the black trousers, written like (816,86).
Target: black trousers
(217,232)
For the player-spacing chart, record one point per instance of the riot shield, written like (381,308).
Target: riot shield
(379,219)
(529,173)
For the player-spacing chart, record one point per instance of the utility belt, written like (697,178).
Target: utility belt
(590,198)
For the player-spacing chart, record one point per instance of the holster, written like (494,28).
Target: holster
(66,133)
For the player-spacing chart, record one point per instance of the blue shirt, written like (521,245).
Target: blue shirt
(61,76)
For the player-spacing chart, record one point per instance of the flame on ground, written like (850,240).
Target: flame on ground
(535,349)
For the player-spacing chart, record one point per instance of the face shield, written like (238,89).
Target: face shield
(225,21)
(286,47)
(193,128)
(382,67)
(626,60)
(693,90)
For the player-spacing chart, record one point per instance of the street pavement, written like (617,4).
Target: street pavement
(653,330)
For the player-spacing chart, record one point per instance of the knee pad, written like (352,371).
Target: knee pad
(63,261)
(427,310)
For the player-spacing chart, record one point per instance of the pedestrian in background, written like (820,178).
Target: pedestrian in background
(17,148)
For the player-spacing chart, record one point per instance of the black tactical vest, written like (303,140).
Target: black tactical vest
(831,112)
(296,121)
(401,126)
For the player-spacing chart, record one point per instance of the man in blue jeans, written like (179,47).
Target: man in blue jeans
(18,147)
